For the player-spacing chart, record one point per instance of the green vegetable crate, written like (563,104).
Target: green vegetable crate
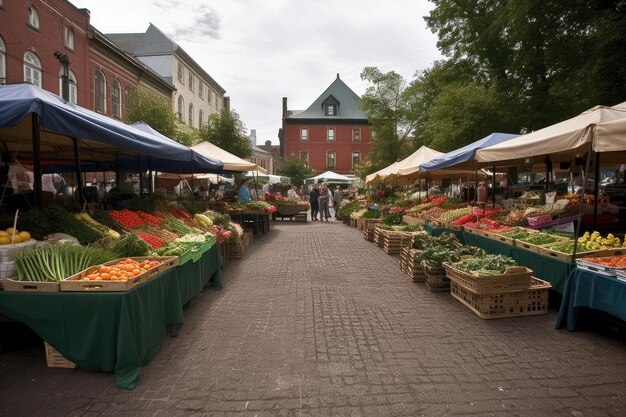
(516,303)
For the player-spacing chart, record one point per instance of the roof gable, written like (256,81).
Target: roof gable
(338,93)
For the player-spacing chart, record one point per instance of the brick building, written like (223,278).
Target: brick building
(332,134)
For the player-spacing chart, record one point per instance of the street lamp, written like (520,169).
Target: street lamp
(65,74)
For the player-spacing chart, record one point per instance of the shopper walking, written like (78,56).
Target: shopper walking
(337,199)
(313,200)
(244,192)
(324,200)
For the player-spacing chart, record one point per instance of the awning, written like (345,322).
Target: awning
(231,162)
(272,179)
(330,177)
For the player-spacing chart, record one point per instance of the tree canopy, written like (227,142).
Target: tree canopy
(227,131)
(296,169)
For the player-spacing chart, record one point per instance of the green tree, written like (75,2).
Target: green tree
(389,108)
(227,131)
(296,169)
(147,106)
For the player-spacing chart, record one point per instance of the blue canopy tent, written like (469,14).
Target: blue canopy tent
(43,126)
(462,157)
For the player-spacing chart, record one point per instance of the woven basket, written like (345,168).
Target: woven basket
(514,278)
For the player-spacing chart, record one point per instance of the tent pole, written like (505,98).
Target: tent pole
(37,160)
(117,170)
(596,189)
(150,183)
(493,187)
(79,174)
(581,203)
(140,176)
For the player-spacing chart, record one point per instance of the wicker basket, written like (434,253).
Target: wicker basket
(514,278)
(528,302)
(436,279)
(55,360)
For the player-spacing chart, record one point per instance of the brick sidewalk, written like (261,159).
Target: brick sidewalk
(316,321)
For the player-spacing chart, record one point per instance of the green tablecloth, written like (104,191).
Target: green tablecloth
(549,269)
(113,331)
(587,289)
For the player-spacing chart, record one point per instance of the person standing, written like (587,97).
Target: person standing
(293,193)
(313,200)
(244,193)
(481,195)
(324,200)
(337,199)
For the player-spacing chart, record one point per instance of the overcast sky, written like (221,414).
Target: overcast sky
(262,50)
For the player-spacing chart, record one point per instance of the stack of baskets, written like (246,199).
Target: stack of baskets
(436,279)
(409,266)
(512,294)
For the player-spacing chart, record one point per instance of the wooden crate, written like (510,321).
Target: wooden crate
(77,283)
(393,242)
(353,222)
(223,253)
(248,235)
(379,236)
(411,220)
(55,360)
(436,279)
(410,267)
(236,249)
(528,302)
(30,286)
(568,257)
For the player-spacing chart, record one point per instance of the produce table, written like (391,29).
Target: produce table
(588,289)
(114,331)
(549,269)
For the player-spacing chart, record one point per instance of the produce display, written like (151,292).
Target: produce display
(57,262)
(121,271)
(539,239)
(485,265)
(13,236)
(452,215)
(595,241)
(436,255)
(610,261)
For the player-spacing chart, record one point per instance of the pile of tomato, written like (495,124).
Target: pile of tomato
(179,213)
(127,218)
(155,242)
(151,219)
(121,271)
(612,261)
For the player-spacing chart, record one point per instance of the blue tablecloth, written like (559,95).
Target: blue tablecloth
(588,289)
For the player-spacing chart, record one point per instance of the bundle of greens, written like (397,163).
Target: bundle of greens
(392,218)
(485,265)
(371,214)
(57,262)
(435,256)
(347,209)
(62,221)
(130,245)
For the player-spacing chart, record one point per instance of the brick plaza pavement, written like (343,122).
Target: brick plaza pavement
(316,321)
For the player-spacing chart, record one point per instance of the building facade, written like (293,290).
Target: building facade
(333,134)
(35,36)
(196,95)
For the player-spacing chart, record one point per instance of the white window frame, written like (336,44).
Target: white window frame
(356,134)
(331,134)
(33,17)
(32,69)
(73,87)
(3,61)
(103,94)
(331,110)
(304,134)
(116,107)
(68,37)
(191,110)
(359,156)
(181,106)
(334,158)
(180,72)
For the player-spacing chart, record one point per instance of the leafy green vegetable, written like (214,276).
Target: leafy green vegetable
(62,221)
(131,245)
(485,265)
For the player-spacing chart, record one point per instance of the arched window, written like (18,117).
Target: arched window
(100,89)
(200,118)
(116,99)
(32,69)
(190,114)
(73,86)
(33,17)
(3,62)
(181,106)
(304,156)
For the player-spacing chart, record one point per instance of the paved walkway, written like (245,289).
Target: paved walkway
(316,321)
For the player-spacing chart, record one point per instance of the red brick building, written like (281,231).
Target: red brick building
(32,32)
(36,35)
(332,134)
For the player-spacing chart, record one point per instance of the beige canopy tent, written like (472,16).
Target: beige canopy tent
(610,136)
(231,162)
(380,175)
(405,167)
(560,141)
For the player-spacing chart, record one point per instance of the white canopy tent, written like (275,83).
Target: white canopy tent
(329,176)
(272,179)
(563,139)
(231,162)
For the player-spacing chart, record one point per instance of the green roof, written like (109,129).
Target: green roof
(338,92)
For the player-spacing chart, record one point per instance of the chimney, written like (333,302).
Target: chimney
(253,137)
(284,107)
(227,104)
(268,145)
(337,75)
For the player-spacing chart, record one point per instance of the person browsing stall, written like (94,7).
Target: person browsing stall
(244,192)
